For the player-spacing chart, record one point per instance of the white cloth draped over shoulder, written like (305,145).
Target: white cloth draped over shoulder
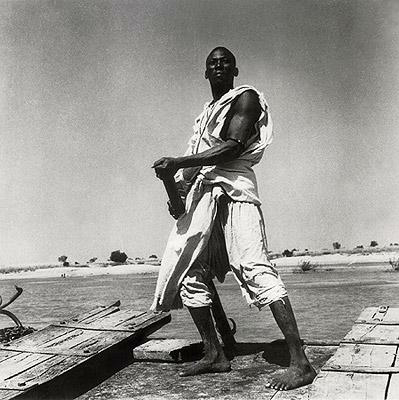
(191,232)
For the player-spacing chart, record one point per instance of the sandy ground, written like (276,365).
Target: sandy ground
(287,264)
(82,271)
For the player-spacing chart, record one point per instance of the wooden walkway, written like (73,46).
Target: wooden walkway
(365,365)
(68,358)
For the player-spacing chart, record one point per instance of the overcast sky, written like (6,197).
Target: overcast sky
(92,92)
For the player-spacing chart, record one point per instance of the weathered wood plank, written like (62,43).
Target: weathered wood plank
(95,343)
(6,394)
(367,314)
(373,314)
(69,340)
(51,333)
(22,362)
(42,373)
(373,334)
(348,386)
(111,320)
(392,315)
(78,336)
(93,315)
(171,350)
(4,354)
(393,388)
(49,351)
(363,355)
(363,370)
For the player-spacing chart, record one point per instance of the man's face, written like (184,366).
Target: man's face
(220,67)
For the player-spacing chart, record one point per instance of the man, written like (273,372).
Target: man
(222,228)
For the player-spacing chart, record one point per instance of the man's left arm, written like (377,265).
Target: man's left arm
(238,128)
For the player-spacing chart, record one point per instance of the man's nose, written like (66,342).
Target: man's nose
(218,64)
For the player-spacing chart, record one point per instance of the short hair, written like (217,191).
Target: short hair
(226,50)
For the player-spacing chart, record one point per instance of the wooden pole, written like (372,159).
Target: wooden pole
(175,200)
(221,321)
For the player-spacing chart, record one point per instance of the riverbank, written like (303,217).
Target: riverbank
(52,271)
(327,262)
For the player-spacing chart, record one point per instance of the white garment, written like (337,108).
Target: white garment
(236,177)
(192,230)
(242,230)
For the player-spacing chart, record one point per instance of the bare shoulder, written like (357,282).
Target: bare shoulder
(248,103)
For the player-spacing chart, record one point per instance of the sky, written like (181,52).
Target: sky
(93,92)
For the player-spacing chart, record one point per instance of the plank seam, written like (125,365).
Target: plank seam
(361,369)
(47,351)
(94,328)
(370,322)
(387,343)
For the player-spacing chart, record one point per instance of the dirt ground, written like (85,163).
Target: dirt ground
(251,368)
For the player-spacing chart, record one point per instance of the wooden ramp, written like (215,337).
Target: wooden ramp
(68,358)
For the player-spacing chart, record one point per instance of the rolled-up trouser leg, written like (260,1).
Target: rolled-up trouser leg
(246,245)
(194,291)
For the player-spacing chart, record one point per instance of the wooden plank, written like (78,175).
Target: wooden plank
(120,321)
(365,370)
(35,372)
(108,321)
(49,334)
(6,394)
(367,314)
(393,388)
(373,314)
(97,313)
(95,343)
(78,336)
(43,372)
(22,362)
(392,315)
(68,340)
(43,350)
(372,334)
(94,314)
(4,354)
(363,355)
(348,386)
(171,350)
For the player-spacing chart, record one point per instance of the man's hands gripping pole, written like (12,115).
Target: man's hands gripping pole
(165,169)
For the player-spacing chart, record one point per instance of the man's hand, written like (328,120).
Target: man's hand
(172,211)
(165,166)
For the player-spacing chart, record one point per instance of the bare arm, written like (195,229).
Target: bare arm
(238,128)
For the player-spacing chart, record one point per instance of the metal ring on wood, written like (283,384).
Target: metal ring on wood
(9,313)
(234,327)
(12,316)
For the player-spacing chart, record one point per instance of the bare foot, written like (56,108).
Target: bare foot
(212,363)
(291,378)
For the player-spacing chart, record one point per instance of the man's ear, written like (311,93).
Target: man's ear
(235,72)
(206,74)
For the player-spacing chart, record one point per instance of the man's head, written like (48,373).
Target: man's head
(221,67)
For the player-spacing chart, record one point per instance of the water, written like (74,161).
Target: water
(325,303)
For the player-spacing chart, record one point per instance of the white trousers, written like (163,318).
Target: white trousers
(241,227)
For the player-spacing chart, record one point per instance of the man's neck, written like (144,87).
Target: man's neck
(219,91)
